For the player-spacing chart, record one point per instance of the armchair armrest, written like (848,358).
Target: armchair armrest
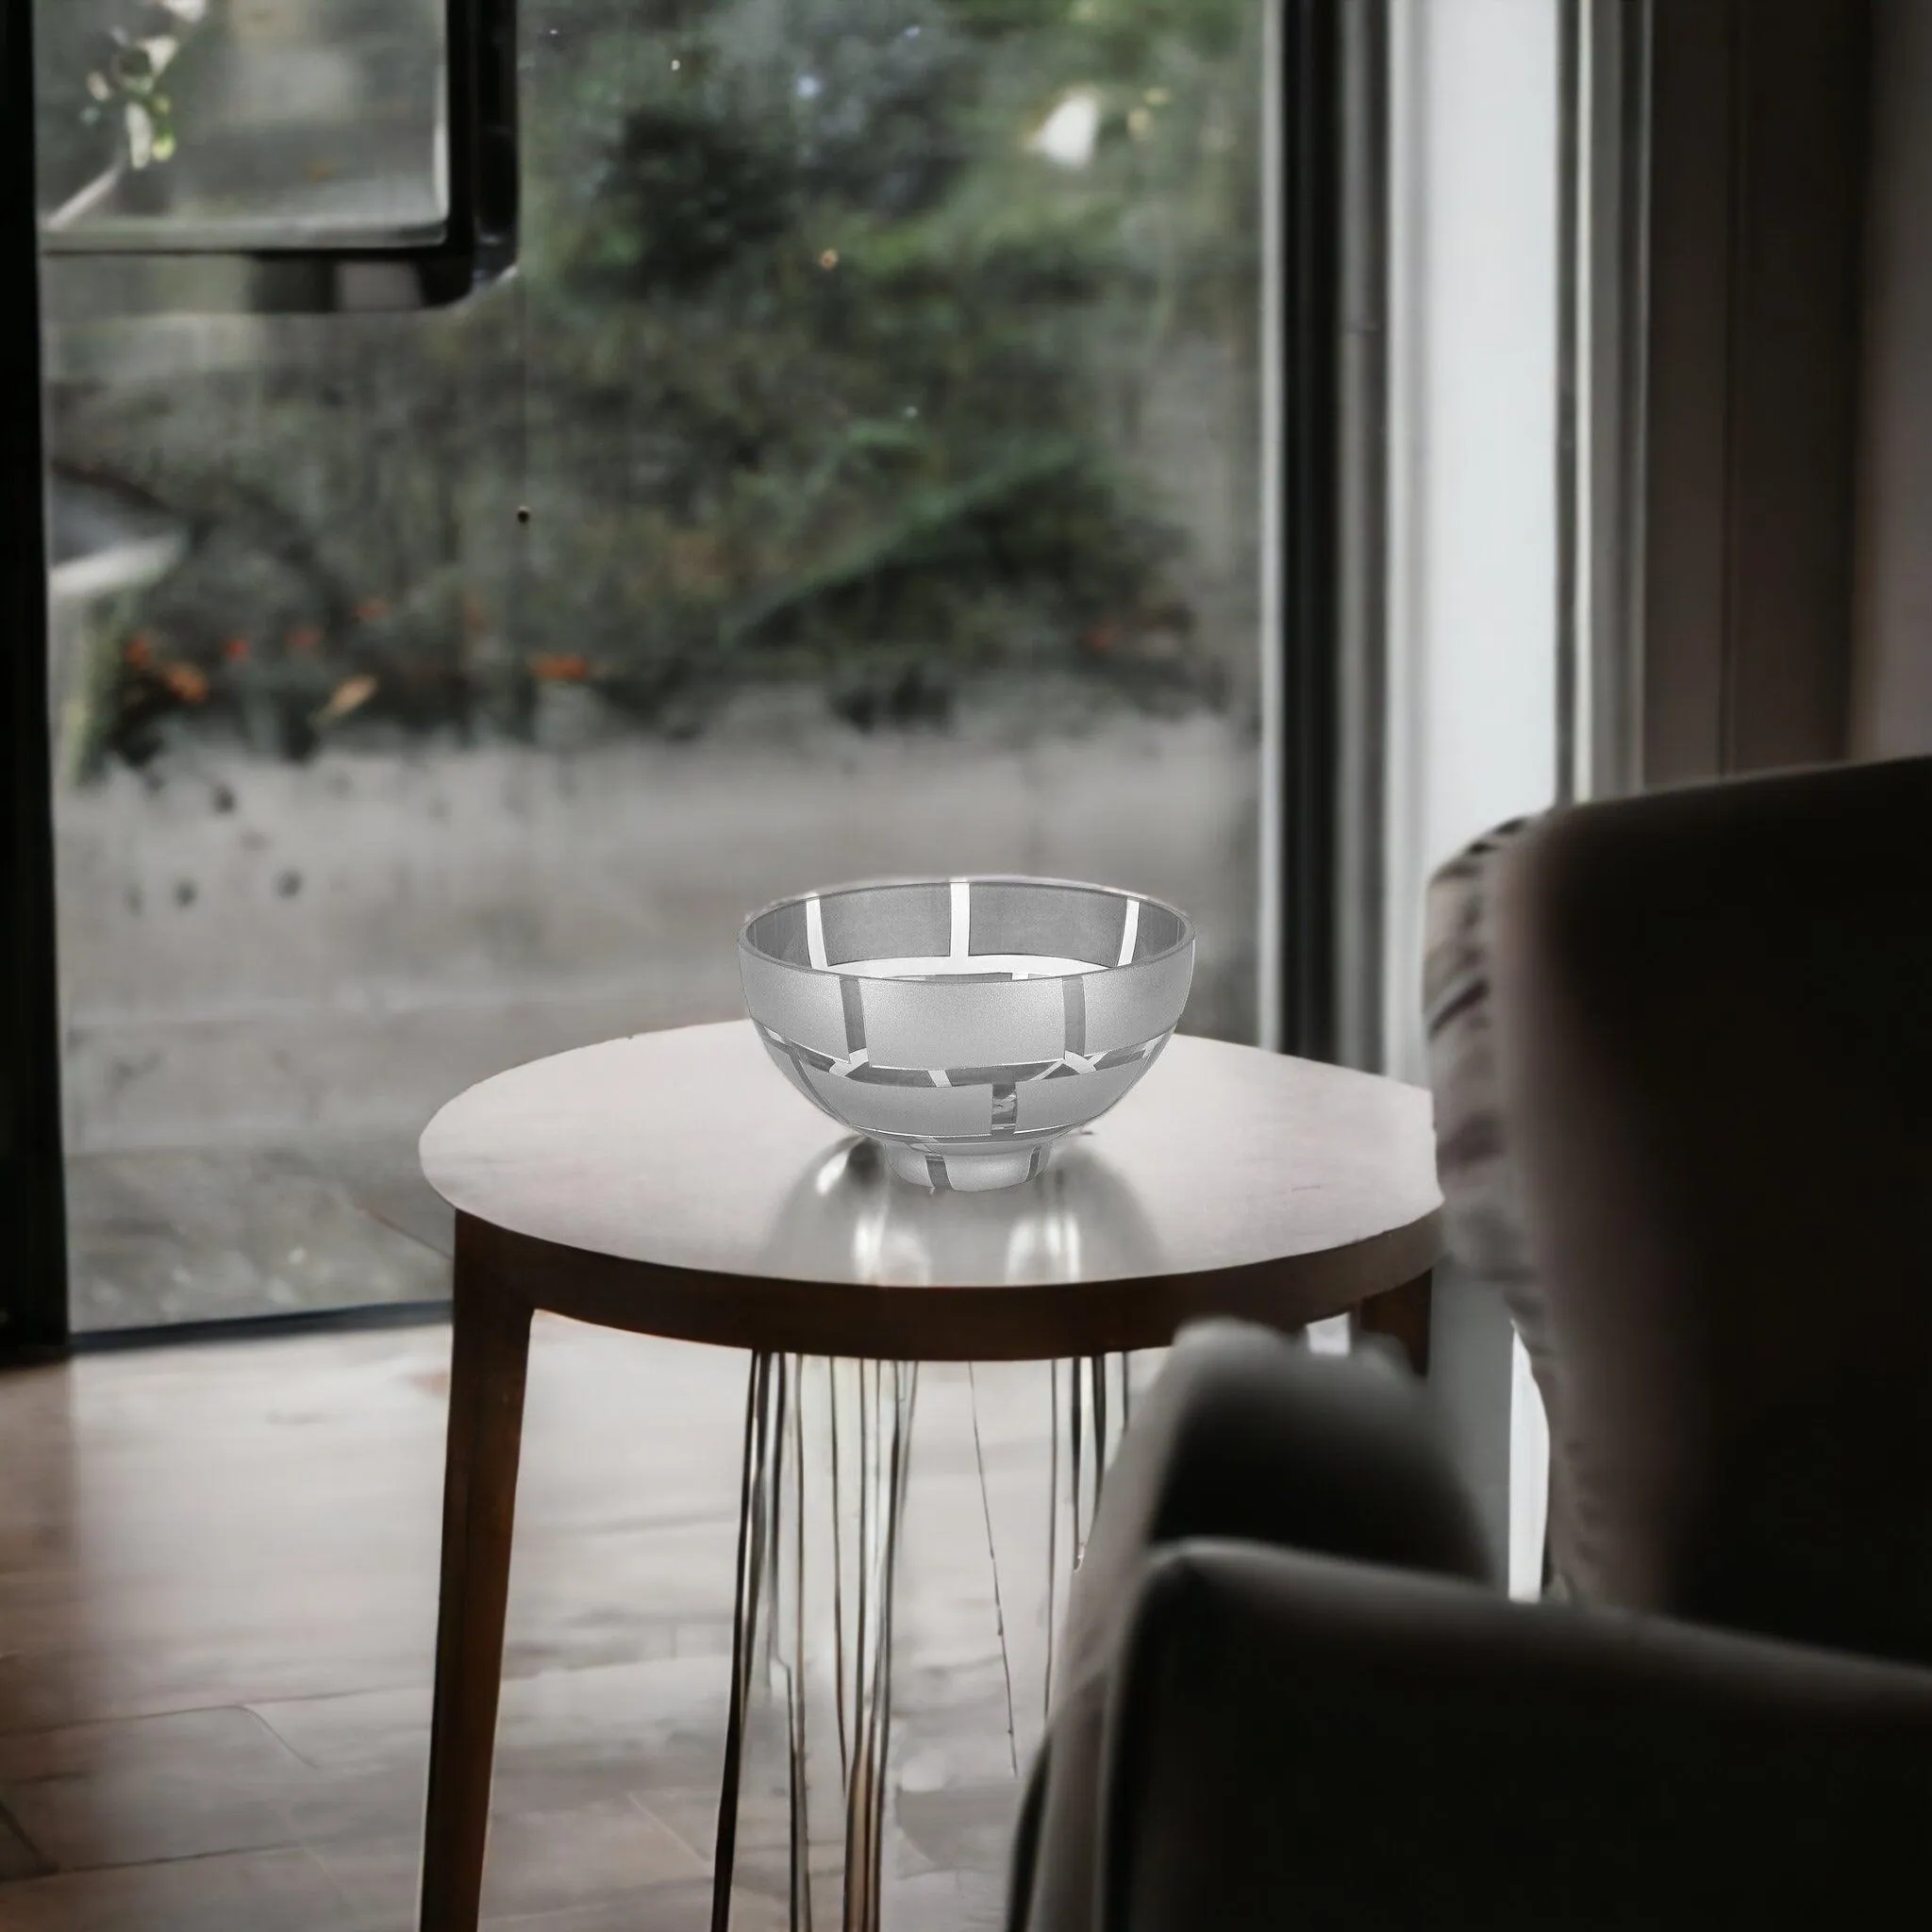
(1293,1741)
(1248,1436)
(1244,1435)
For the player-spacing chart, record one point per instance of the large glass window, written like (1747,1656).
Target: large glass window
(860,475)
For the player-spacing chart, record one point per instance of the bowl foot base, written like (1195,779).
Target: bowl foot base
(967,1172)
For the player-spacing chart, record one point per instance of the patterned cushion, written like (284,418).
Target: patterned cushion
(1480,1190)
(1484,1224)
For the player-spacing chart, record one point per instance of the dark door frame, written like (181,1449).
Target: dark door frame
(33,1295)
(1318,85)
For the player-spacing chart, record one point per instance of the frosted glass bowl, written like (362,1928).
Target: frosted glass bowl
(966,1025)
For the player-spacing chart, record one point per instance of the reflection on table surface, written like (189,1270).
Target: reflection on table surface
(1078,1222)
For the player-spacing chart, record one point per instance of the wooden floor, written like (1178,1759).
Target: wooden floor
(217,1601)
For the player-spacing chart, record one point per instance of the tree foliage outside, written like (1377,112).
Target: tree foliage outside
(827,361)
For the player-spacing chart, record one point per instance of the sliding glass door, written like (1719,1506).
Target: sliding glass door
(863,473)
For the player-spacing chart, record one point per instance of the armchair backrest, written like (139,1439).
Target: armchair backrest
(1682,1046)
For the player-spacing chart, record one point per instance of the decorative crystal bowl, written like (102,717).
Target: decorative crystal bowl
(966,1025)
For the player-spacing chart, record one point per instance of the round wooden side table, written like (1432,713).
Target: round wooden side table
(670,1185)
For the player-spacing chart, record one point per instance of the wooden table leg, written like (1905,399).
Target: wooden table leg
(489,1355)
(1403,1315)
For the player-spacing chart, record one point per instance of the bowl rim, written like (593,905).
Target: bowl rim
(970,879)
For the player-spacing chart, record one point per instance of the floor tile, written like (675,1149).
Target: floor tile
(177,1786)
(217,1622)
(538,1862)
(660,1909)
(284,1891)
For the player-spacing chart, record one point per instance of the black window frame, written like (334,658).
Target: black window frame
(33,1286)
(1314,86)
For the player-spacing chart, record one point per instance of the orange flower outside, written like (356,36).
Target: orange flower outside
(187,683)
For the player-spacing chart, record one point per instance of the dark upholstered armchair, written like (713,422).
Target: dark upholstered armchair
(1682,1047)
